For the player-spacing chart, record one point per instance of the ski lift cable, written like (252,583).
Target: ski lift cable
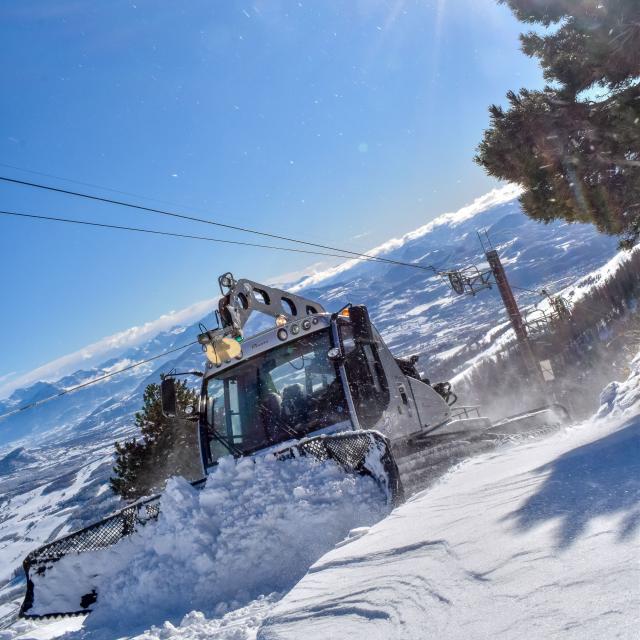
(151,231)
(181,216)
(64,392)
(546,294)
(92,185)
(104,225)
(543,293)
(536,292)
(579,301)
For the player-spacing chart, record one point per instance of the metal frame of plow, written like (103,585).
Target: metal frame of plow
(351,450)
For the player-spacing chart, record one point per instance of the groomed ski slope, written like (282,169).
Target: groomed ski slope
(539,540)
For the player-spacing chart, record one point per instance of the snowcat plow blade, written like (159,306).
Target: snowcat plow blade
(43,599)
(65,589)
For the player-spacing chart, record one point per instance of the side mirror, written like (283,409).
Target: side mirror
(168,397)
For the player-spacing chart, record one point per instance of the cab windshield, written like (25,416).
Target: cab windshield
(281,394)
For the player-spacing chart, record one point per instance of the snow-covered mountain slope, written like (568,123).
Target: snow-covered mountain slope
(539,540)
(418,312)
(62,483)
(112,346)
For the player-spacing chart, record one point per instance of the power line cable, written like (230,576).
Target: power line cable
(356,255)
(538,293)
(64,392)
(223,241)
(155,232)
(181,216)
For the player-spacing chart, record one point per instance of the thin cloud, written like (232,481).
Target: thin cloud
(111,345)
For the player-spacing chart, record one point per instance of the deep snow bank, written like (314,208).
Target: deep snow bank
(254,529)
(622,398)
(539,540)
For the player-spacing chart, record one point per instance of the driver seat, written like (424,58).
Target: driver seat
(294,405)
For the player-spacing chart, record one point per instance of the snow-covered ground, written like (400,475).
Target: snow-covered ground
(538,539)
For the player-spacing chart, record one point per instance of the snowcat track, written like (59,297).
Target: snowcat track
(350,450)
(559,411)
(425,460)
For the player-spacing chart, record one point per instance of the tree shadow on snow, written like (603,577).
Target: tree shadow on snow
(598,479)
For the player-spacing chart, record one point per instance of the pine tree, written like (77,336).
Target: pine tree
(575,145)
(134,457)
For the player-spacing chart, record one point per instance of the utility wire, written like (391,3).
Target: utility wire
(64,392)
(42,401)
(220,240)
(538,293)
(351,255)
(541,292)
(173,214)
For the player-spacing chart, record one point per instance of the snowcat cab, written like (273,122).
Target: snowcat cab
(313,373)
(314,383)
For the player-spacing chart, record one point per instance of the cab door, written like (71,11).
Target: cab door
(382,397)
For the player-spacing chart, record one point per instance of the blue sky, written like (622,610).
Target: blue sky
(337,122)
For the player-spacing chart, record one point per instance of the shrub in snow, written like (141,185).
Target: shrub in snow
(139,464)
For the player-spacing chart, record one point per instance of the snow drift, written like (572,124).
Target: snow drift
(254,529)
(621,398)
